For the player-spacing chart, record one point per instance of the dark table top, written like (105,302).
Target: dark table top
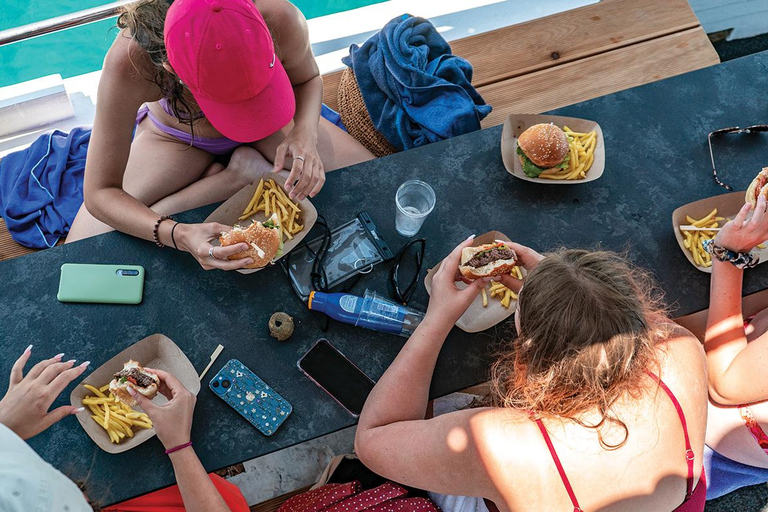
(657,159)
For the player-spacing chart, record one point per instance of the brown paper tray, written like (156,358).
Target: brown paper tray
(155,351)
(230,211)
(515,124)
(477,318)
(728,205)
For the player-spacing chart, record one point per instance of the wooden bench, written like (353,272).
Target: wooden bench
(565,58)
(578,55)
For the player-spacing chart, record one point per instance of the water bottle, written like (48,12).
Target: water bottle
(370,312)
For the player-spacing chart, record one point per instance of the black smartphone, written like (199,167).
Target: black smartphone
(337,376)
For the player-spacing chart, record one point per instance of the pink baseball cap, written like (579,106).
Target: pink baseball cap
(223,51)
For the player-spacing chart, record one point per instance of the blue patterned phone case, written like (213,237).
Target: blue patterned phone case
(251,397)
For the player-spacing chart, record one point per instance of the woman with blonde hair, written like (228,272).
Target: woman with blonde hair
(189,82)
(737,445)
(600,403)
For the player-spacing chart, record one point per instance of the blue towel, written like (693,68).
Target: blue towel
(331,115)
(41,187)
(725,475)
(415,91)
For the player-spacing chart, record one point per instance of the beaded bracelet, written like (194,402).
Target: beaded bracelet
(157,228)
(739,260)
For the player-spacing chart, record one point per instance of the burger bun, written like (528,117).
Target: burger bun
(544,144)
(263,242)
(494,268)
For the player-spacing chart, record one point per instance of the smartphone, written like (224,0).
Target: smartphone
(250,396)
(103,284)
(337,376)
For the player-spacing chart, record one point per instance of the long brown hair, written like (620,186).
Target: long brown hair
(587,336)
(145,21)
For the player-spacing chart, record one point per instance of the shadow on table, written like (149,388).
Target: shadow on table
(748,499)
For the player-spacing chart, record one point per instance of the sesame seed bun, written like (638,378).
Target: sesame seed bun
(544,144)
(263,242)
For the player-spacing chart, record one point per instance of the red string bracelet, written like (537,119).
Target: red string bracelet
(177,448)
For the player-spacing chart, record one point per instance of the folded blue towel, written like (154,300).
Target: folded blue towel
(725,475)
(415,91)
(41,187)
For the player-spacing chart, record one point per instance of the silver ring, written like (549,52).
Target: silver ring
(298,157)
(210,253)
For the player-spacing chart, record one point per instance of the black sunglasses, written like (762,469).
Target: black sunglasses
(403,294)
(722,131)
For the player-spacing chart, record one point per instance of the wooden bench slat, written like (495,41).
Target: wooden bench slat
(526,47)
(576,34)
(8,247)
(599,75)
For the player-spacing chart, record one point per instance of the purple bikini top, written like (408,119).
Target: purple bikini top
(169,111)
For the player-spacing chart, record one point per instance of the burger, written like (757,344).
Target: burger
(759,186)
(264,239)
(542,147)
(133,375)
(487,260)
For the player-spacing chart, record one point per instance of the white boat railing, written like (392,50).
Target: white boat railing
(75,19)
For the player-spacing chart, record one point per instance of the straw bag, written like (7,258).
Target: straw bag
(355,117)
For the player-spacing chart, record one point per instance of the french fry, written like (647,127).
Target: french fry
(693,241)
(97,401)
(95,391)
(501,292)
(116,418)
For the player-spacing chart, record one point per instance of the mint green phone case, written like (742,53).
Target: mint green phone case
(104,284)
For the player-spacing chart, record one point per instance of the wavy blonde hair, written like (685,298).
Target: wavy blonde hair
(145,22)
(587,337)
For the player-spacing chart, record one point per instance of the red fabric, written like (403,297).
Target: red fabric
(698,499)
(347,497)
(169,499)
(321,498)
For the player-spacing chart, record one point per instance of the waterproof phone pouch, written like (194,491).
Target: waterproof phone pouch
(332,258)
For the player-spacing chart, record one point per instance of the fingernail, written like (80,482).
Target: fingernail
(59,356)
(28,350)
(501,241)
(84,364)
(79,409)
(71,361)
(130,390)
(470,237)
(248,262)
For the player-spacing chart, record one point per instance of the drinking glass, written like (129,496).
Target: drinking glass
(414,200)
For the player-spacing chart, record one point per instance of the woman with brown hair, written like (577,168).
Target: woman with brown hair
(184,85)
(600,403)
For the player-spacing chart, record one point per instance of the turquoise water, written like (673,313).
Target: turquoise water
(82,49)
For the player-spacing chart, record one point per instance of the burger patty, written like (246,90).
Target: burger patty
(497,253)
(142,379)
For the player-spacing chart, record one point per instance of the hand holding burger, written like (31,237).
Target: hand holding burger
(133,377)
(265,242)
(758,187)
